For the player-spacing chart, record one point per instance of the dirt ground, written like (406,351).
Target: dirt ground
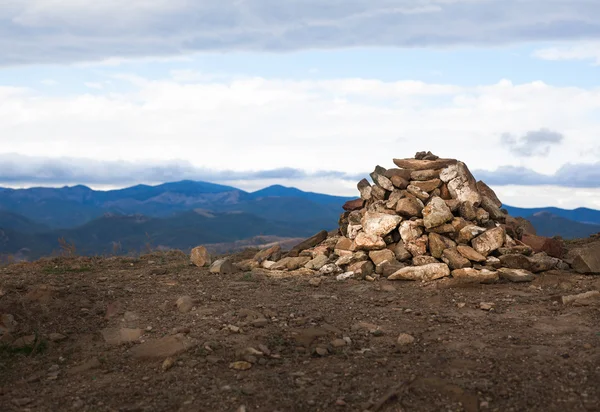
(327,347)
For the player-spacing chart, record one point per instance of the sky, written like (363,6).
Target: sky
(306,93)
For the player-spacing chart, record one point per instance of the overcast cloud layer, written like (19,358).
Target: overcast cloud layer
(15,168)
(38,31)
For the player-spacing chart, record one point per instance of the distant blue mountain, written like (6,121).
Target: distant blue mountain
(282,191)
(33,218)
(581,214)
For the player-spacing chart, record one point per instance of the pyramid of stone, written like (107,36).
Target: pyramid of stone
(426,219)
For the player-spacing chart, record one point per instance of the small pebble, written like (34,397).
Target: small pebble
(486,305)
(167,364)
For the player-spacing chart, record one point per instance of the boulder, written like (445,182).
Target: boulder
(461,183)
(248,264)
(418,247)
(493,262)
(344,244)
(352,205)
(468,233)
(468,211)
(392,201)
(388,268)
(411,230)
(516,275)
(487,191)
(470,253)
(353,230)
(291,263)
(317,263)
(551,246)
(379,224)
(494,211)
(424,260)
(425,272)
(366,241)
(362,269)
(586,259)
(455,260)
(308,243)
(426,185)
(330,269)
(380,256)
(405,174)
(437,244)
(400,251)
(269,253)
(453,204)
(540,262)
(470,275)
(489,241)
(200,256)
(222,266)
(380,179)
(582,299)
(426,174)
(399,182)
(351,258)
(417,192)
(482,216)
(515,261)
(364,187)
(436,213)
(409,207)
(416,164)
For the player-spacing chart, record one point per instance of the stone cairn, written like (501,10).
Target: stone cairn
(426,219)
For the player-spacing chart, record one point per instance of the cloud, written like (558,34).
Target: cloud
(568,175)
(75,31)
(16,169)
(533,143)
(252,123)
(93,85)
(587,50)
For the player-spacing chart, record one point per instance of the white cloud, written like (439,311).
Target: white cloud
(79,30)
(573,51)
(253,123)
(542,196)
(93,85)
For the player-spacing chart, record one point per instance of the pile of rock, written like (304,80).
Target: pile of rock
(426,219)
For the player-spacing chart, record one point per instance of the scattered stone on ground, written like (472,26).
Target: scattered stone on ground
(200,256)
(273,327)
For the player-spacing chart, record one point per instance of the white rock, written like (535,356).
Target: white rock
(411,230)
(489,241)
(380,224)
(344,276)
(436,213)
(425,272)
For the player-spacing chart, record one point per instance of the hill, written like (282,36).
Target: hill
(136,233)
(70,207)
(582,214)
(548,224)
(186,213)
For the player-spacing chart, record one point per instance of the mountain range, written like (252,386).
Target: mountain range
(187,213)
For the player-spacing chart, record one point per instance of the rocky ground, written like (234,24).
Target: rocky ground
(157,334)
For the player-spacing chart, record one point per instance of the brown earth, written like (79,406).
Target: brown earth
(314,347)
